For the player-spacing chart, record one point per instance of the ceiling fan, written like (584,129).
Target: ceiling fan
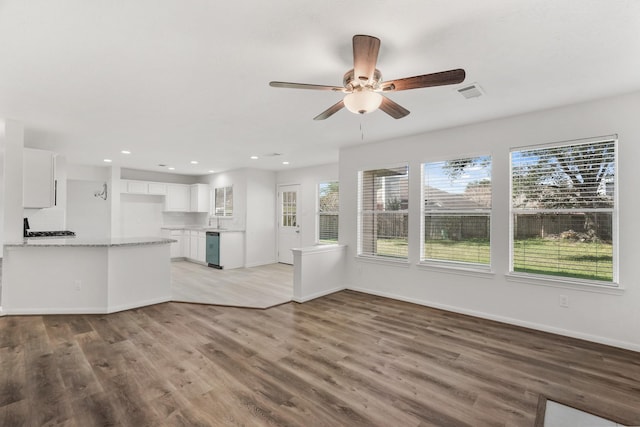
(363,84)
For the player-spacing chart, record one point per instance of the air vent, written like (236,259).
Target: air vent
(272,155)
(472,91)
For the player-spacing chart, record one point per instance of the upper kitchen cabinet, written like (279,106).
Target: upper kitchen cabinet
(143,187)
(178,198)
(38,179)
(199,198)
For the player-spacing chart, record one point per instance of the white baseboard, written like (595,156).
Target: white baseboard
(84,310)
(58,310)
(259,263)
(317,295)
(509,320)
(129,306)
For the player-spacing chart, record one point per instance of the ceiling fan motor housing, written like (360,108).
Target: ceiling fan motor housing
(350,82)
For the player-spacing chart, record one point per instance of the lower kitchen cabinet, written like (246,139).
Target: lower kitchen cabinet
(202,247)
(192,245)
(177,248)
(197,249)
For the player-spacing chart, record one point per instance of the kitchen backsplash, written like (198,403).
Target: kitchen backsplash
(46,219)
(171,219)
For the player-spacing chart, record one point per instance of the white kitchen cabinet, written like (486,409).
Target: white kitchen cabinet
(137,187)
(202,247)
(157,188)
(199,198)
(177,247)
(38,189)
(186,244)
(193,245)
(177,198)
(231,249)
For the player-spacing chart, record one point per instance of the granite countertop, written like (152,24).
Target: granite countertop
(87,242)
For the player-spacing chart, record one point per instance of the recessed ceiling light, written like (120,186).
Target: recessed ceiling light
(126,152)
(285,163)
(107,160)
(210,171)
(194,162)
(254,157)
(171,168)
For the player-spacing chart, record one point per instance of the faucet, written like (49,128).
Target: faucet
(217,221)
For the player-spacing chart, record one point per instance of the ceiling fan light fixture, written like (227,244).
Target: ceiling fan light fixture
(362,101)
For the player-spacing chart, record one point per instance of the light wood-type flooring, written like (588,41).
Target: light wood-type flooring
(257,287)
(346,359)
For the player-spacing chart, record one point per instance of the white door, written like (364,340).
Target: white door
(288,225)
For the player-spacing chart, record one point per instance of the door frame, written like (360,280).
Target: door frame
(279,215)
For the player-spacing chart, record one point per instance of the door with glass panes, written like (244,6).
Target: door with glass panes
(288,225)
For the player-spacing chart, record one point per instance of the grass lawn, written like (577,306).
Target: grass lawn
(567,258)
(557,257)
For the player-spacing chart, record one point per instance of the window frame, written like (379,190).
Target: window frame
(450,263)
(225,214)
(320,213)
(360,212)
(594,285)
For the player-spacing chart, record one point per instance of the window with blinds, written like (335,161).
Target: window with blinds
(223,201)
(383,212)
(563,210)
(328,212)
(457,211)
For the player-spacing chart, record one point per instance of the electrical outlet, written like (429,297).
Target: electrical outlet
(564,301)
(78,284)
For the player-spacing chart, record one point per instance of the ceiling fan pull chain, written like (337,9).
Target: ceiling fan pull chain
(361,131)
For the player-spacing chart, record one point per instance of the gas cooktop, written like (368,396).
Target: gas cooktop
(61,233)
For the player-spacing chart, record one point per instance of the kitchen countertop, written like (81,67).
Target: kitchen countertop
(75,241)
(200,228)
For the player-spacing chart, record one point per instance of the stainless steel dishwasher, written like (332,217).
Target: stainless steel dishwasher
(213,249)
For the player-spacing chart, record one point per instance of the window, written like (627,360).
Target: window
(223,201)
(457,211)
(328,212)
(383,212)
(289,208)
(563,210)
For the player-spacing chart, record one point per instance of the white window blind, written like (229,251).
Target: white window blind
(457,211)
(223,201)
(328,211)
(563,210)
(383,212)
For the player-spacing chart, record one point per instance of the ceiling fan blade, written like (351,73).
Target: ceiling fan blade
(393,109)
(306,86)
(365,56)
(426,80)
(330,111)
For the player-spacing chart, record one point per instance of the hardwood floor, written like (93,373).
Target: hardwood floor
(347,359)
(255,287)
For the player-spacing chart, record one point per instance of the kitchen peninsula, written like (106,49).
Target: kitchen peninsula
(65,276)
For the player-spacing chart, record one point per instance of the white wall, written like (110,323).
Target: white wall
(141,215)
(12,141)
(607,318)
(260,236)
(174,178)
(308,178)
(53,218)
(253,211)
(238,180)
(87,215)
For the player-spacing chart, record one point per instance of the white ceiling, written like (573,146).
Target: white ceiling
(180,80)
